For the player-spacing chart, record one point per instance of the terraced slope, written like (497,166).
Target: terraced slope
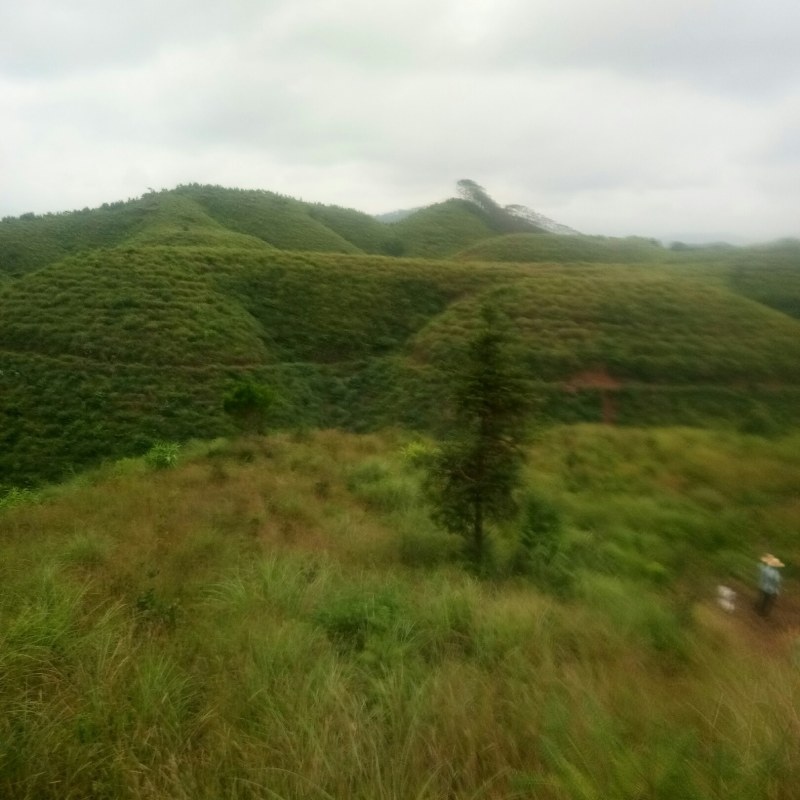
(635,323)
(443,229)
(280,221)
(106,352)
(551,247)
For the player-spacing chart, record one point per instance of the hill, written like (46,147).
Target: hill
(106,349)
(105,353)
(561,248)
(277,617)
(197,215)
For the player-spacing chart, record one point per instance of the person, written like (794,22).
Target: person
(769,583)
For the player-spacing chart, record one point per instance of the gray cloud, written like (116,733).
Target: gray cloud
(621,118)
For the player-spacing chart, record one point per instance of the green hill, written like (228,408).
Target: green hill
(443,229)
(104,350)
(637,323)
(281,221)
(29,242)
(104,353)
(769,274)
(551,247)
(188,216)
(173,220)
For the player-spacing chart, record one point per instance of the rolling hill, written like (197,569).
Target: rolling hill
(125,325)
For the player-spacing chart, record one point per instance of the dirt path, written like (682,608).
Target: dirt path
(778,635)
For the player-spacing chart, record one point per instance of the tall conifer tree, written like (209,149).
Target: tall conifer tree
(472,479)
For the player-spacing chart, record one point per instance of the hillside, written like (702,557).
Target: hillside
(278,617)
(560,248)
(196,215)
(127,324)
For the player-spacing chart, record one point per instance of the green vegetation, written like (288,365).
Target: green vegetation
(769,274)
(250,404)
(281,616)
(126,325)
(551,247)
(103,354)
(473,477)
(443,229)
(256,622)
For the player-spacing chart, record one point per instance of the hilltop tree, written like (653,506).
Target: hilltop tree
(472,478)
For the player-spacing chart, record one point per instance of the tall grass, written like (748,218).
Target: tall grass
(254,627)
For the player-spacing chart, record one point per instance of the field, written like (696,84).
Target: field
(189,612)
(277,617)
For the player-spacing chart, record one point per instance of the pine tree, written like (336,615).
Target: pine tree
(471,480)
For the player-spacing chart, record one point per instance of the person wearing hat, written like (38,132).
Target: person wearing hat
(769,583)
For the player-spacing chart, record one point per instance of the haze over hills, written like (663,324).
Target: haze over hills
(125,324)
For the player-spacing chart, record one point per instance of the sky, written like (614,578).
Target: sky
(676,120)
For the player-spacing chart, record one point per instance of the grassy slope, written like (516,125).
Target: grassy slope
(103,353)
(280,221)
(442,229)
(28,243)
(550,247)
(769,274)
(278,618)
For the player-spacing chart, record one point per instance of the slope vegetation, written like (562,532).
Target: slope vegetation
(279,618)
(127,324)
(551,247)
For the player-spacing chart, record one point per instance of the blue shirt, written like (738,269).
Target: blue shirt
(769,579)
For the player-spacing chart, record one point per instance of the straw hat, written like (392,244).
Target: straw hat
(771,561)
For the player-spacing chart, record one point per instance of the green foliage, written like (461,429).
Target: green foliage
(472,479)
(559,248)
(250,404)
(163,455)
(163,302)
(541,552)
(356,615)
(16,496)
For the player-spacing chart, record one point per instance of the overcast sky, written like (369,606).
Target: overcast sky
(665,118)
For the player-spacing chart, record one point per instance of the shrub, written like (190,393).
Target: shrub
(350,619)
(163,455)
(16,496)
(540,552)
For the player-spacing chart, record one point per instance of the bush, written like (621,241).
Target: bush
(354,616)
(540,552)
(17,497)
(163,455)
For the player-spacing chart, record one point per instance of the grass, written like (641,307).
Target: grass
(244,624)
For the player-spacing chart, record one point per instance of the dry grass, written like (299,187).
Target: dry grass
(242,626)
